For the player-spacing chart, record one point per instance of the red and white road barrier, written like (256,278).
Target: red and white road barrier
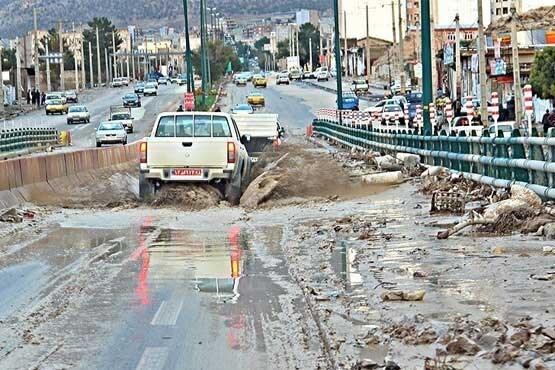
(494,106)
(528,106)
(448,109)
(433,114)
(469,108)
(419,115)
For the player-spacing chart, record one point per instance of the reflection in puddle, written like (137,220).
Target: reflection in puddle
(346,257)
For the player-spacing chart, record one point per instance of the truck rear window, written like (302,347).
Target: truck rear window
(193,126)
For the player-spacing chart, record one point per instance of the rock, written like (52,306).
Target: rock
(549,231)
(11,215)
(462,346)
(385,160)
(549,332)
(260,189)
(548,250)
(365,363)
(409,160)
(521,193)
(499,250)
(520,337)
(387,178)
(390,365)
(538,364)
(398,295)
(419,274)
(433,171)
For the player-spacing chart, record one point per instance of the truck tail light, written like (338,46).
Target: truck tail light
(231,154)
(142,152)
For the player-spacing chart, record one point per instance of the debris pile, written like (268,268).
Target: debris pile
(189,197)
(13,215)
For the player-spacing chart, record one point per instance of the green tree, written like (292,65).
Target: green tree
(8,59)
(259,45)
(105,29)
(308,32)
(54,47)
(283,49)
(542,77)
(220,55)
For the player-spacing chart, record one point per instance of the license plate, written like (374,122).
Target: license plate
(254,159)
(186,172)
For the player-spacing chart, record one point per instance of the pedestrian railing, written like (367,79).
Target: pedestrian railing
(494,160)
(18,139)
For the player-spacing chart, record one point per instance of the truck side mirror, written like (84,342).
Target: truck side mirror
(245,139)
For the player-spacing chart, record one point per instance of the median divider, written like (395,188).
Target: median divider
(47,177)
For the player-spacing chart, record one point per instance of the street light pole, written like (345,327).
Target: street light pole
(48,80)
(188,58)
(115,58)
(368,58)
(482,65)
(337,43)
(401,51)
(426,66)
(99,68)
(203,49)
(36,56)
(90,65)
(516,67)
(62,67)
(74,44)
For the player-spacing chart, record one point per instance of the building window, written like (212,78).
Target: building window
(505,10)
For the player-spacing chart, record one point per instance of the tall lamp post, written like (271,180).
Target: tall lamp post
(188,58)
(426,65)
(203,48)
(338,71)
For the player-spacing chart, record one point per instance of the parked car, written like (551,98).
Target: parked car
(78,114)
(460,124)
(71,96)
(125,81)
(150,89)
(295,74)
(414,99)
(322,74)
(110,133)
(181,80)
(242,109)
(194,147)
(506,127)
(282,78)
(131,100)
(139,88)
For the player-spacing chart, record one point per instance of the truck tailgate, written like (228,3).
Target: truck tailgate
(187,152)
(257,125)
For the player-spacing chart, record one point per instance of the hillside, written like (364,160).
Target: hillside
(17,15)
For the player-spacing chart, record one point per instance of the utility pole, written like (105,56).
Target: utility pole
(83,72)
(107,65)
(321,50)
(1,83)
(127,61)
(188,58)
(426,65)
(310,52)
(91,65)
(48,80)
(203,49)
(345,43)
(18,86)
(516,66)
(74,45)
(99,68)
(132,44)
(482,61)
(338,56)
(368,56)
(62,67)
(401,50)
(458,71)
(433,50)
(36,56)
(115,57)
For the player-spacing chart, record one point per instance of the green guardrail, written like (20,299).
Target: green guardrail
(495,160)
(19,139)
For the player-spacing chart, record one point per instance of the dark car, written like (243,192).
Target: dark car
(140,88)
(71,97)
(350,101)
(415,99)
(131,100)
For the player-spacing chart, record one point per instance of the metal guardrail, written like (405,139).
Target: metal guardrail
(498,161)
(18,139)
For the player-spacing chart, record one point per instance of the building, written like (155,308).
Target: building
(413,15)
(307,16)
(502,8)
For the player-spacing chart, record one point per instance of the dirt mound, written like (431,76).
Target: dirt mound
(310,173)
(187,196)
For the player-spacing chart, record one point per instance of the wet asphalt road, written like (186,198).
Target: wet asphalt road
(98,102)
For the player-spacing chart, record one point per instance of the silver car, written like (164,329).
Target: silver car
(110,133)
(78,114)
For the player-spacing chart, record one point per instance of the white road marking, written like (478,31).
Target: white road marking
(167,313)
(153,358)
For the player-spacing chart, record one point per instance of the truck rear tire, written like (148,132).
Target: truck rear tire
(233,190)
(146,187)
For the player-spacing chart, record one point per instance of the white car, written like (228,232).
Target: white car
(282,78)
(242,109)
(322,74)
(163,80)
(78,114)
(125,81)
(150,89)
(117,82)
(505,127)
(198,147)
(181,80)
(110,133)
(393,114)
(460,124)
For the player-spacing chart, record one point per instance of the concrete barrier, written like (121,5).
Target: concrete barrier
(44,178)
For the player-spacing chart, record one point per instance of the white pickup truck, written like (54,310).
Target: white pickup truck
(194,147)
(261,129)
